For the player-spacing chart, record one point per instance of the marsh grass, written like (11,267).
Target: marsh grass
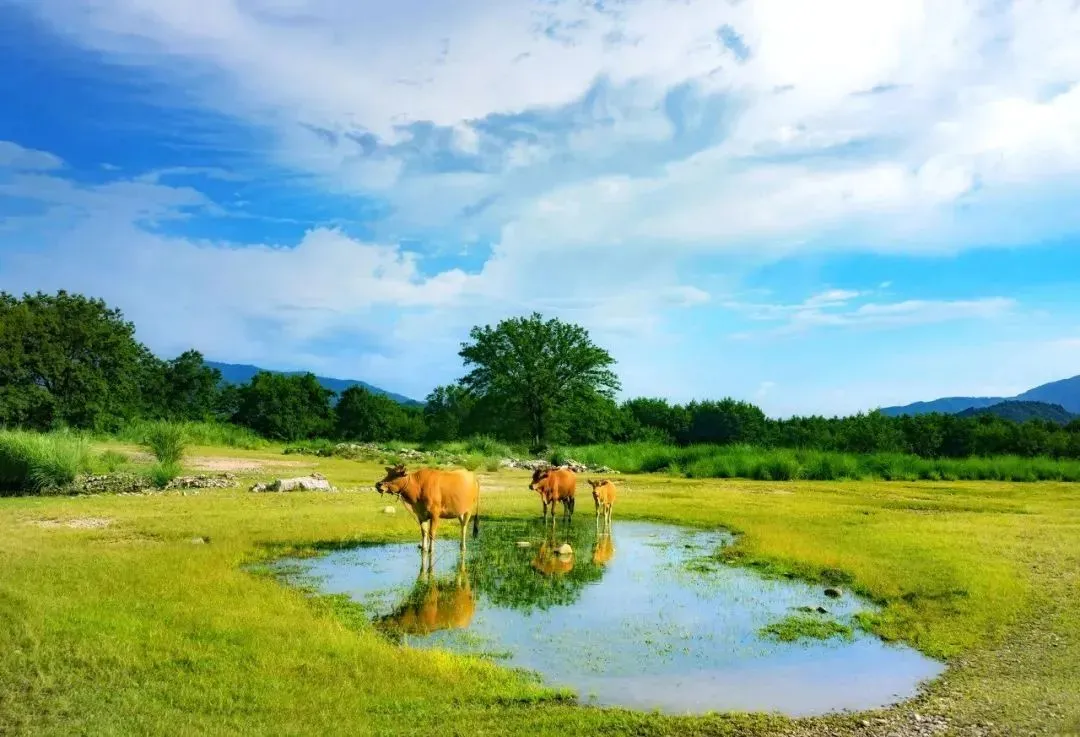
(35,463)
(806,626)
(781,464)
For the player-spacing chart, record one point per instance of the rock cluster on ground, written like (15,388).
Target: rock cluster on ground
(134,483)
(314,482)
(368,451)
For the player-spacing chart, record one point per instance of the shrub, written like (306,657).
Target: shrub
(33,463)
(162,472)
(167,441)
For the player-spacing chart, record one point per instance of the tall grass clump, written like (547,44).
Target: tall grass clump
(36,463)
(197,433)
(167,441)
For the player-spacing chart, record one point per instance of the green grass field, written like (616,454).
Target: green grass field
(138,614)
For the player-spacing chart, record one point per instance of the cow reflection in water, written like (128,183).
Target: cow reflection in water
(434,604)
(603,549)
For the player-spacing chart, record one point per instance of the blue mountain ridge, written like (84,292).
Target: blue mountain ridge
(238,373)
(1064,393)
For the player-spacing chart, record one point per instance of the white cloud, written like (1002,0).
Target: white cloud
(956,96)
(16,157)
(832,309)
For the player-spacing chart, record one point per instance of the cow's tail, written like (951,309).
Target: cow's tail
(476,517)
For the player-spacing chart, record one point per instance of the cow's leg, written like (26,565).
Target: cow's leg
(423,535)
(464,527)
(432,526)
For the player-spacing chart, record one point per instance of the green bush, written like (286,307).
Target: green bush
(35,463)
(167,441)
(161,473)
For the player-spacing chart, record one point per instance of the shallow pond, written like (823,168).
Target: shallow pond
(640,618)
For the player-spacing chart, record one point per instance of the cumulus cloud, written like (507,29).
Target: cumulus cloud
(699,124)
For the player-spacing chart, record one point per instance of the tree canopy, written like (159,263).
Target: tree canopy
(70,360)
(539,371)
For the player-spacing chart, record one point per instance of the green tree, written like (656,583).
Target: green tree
(189,388)
(660,420)
(285,407)
(366,416)
(66,359)
(447,412)
(537,371)
(726,421)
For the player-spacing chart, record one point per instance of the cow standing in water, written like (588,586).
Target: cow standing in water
(603,494)
(433,494)
(555,485)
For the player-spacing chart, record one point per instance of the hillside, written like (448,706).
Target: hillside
(1065,393)
(236,373)
(1019,411)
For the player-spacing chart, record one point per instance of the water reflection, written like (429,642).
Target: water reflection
(434,604)
(603,549)
(659,626)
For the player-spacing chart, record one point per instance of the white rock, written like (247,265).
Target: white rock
(524,544)
(389,510)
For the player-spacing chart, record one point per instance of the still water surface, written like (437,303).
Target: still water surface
(640,618)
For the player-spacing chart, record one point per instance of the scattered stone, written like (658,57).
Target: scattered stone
(314,482)
(203,481)
(564,549)
(524,544)
(199,540)
(389,510)
(833,593)
(110,483)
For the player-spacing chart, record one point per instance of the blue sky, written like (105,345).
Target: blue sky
(817,207)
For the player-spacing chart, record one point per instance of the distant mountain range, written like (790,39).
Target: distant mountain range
(1019,411)
(236,373)
(1065,394)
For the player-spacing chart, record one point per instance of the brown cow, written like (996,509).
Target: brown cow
(603,494)
(555,485)
(435,605)
(433,494)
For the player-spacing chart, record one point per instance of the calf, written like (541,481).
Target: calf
(555,485)
(603,494)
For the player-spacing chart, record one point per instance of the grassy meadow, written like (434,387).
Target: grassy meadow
(143,614)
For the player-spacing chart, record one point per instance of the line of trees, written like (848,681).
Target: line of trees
(69,360)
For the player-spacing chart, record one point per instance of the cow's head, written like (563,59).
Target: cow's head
(395,481)
(539,474)
(596,483)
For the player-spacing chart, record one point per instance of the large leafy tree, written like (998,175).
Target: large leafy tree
(448,411)
(66,359)
(285,407)
(538,371)
(366,416)
(189,389)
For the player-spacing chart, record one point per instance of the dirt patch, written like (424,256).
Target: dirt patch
(237,465)
(78,523)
